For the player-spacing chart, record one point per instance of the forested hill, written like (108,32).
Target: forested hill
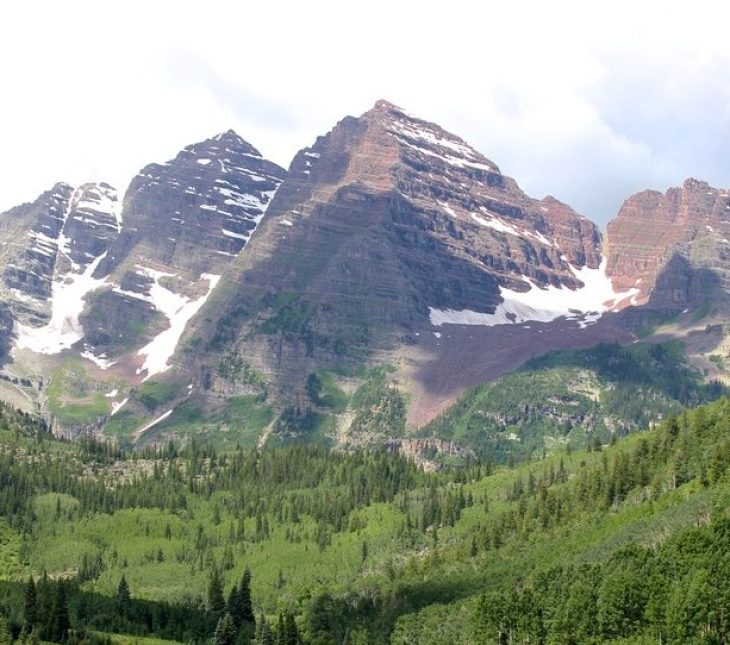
(626,543)
(575,398)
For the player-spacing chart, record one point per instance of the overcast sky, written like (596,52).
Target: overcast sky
(586,101)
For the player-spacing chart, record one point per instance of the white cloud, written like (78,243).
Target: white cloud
(584,101)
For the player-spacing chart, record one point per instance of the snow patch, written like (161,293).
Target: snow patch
(118,406)
(100,361)
(67,302)
(178,310)
(586,305)
(238,236)
(159,419)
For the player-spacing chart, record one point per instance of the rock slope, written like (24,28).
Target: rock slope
(384,227)
(672,247)
(114,282)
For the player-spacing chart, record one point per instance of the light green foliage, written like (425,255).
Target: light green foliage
(239,422)
(366,545)
(154,394)
(75,398)
(379,406)
(10,544)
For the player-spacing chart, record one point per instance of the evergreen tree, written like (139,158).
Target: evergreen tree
(60,622)
(291,631)
(281,631)
(266,638)
(30,608)
(5,636)
(225,631)
(216,602)
(123,595)
(234,606)
(246,606)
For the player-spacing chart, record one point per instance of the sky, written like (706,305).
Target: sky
(586,101)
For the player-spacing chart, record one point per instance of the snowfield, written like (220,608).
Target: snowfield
(586,305)
(178,310)
(67,303)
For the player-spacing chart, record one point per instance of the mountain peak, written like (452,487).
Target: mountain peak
(381,105)
(692,184)
(232,138)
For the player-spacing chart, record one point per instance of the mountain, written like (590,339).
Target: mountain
(672,247)
(393,268)
(392,240)
(99,289)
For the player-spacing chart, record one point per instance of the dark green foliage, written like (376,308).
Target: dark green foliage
(60,621)
(30,607)
(5,635)
(583,398)
(225,631)
(123,597)
(245,607)
(216,603)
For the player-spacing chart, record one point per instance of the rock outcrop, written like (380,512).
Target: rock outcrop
(83,271)
(672,247)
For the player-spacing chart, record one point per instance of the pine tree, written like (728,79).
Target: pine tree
(216,602)
(266,638)
(30,609)
(225,631)
(60,622)
(5,636)
(290,630)
(44,606)
(234,606)
(123,597)
(245,598)
(281,631)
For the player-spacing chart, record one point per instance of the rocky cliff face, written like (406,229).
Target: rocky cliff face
(63,231)
(114,282)
(382,222)
(184,222)
(672,247)
(389,240)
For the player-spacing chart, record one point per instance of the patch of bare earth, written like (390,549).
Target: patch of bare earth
(438,371)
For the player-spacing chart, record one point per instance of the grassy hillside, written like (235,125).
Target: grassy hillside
(365,547)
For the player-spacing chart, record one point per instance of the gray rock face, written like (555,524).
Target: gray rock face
(197,211)
(63,231)
(132,266)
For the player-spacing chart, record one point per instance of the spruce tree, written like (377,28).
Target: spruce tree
(245,598)
(60,622)
(266,638)
(216,602)
(225,631)
(30,608)
(281,631)
(291,631)
(234,606)
(123,596)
